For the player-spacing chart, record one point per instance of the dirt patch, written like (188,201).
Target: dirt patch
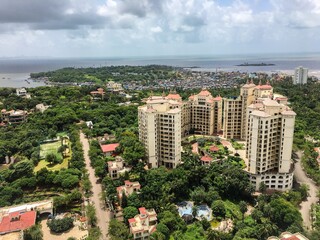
(76,232)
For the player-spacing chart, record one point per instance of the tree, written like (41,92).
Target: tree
(133,200)
(33,233)
(124,200)
(60,225)
(243,208)
(218,208)
(262,187)
(129,212)
(304,189)
(118,230)
(194,211)
(164,230)
(91,214)
(52,158)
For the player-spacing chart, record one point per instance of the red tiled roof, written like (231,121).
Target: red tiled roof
(214,148)
(206,159)
(24,221)
(218,98)
(142,210)
(175,96)
(109,147)
(263,87)
(291,238)
(131,220)
(204,93)
(191,97)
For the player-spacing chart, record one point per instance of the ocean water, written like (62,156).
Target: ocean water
(14,71)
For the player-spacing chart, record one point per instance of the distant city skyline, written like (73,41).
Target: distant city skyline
(120,28)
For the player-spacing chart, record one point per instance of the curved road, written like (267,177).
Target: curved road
(103,216)
(305,206)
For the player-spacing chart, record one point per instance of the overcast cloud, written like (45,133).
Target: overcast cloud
(102,28)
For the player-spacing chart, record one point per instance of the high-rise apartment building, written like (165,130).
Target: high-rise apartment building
(160,131)
(206,113)
(269,144)
(235,109)
(165,119)
(300,75)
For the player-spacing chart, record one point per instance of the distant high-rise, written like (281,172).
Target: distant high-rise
(300,75)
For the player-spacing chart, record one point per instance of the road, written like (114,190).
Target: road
(305,206)
(103,215)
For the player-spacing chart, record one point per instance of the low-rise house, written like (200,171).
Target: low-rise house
(41,107)
(99,94)
(15,219)
(114,87)
(143,224)
(21,92)
(117,167)
(109,149)
(206,160)
(289,236)
(214,148)
(13,116)
(128,188)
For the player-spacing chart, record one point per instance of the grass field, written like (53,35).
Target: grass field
(52,147)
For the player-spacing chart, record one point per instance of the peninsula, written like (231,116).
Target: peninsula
(255,64)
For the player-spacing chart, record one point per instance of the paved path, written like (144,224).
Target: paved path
(301,177)
(103,215)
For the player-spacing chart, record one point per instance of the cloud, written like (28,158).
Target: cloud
(49,14)
(125,26)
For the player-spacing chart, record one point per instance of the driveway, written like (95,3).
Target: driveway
(103,215)
(302,178)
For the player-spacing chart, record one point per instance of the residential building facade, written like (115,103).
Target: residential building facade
(144,224)
(235,109)
(164,120)
(160,131)
(206,113)
(269,144)
(300,75)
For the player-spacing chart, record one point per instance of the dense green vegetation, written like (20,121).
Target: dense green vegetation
(223,185)
(60,225)
(145,74)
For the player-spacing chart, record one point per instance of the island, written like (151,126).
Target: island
(255,64)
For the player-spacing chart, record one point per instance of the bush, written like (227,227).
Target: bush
(60,225)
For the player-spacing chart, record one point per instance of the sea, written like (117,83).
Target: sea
(14,72)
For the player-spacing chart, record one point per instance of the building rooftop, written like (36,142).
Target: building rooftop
(109,147)
(17,221)
(206,158)
(204,92)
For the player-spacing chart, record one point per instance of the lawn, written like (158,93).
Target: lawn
(214,223)
(44,164)
(52,147)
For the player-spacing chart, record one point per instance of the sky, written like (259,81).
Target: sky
(120,28)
